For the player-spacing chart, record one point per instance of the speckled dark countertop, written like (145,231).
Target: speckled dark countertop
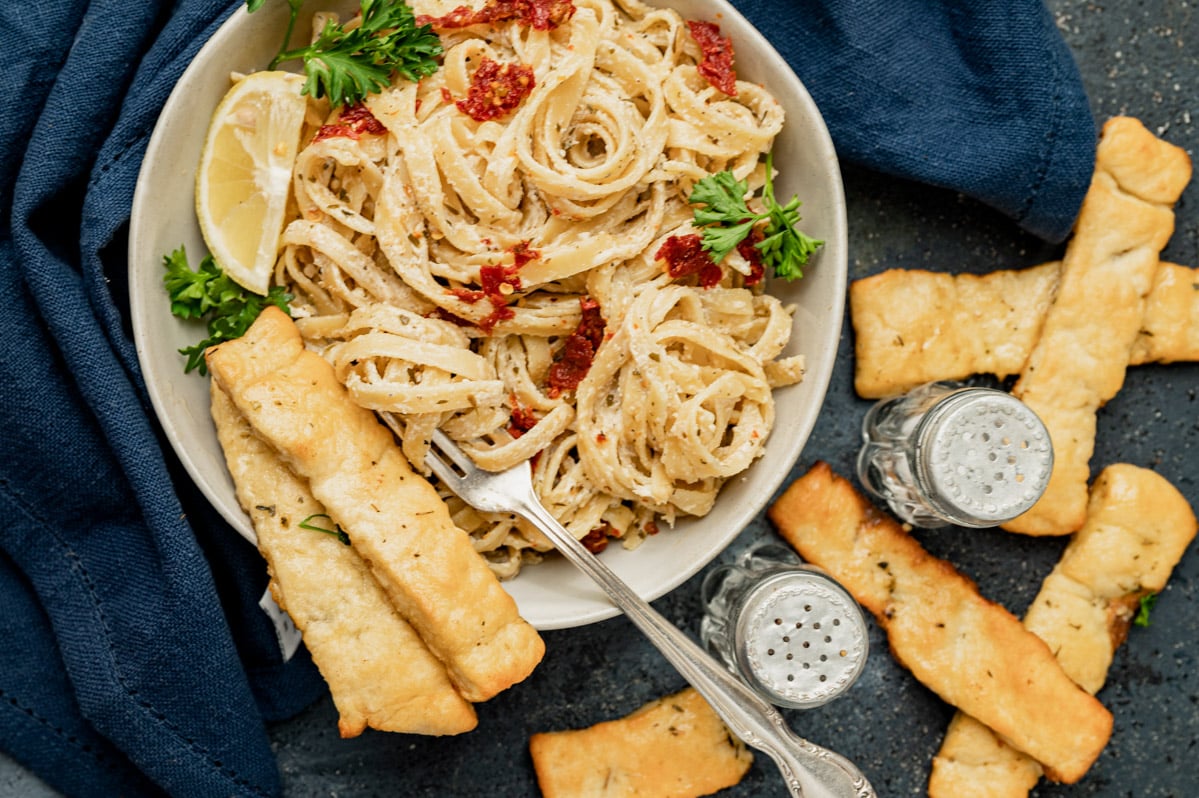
(1137,58)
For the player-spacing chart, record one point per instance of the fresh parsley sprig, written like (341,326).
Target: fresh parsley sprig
(725,220)
(208,293)
(347,65)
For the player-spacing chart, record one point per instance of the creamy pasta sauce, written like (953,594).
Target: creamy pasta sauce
(495,272)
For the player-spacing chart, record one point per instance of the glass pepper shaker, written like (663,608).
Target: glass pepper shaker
(946,453)
(787,629)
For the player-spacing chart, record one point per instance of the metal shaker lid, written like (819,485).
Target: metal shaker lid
(803,638)
(982,457)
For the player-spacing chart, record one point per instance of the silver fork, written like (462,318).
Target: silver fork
(809,770)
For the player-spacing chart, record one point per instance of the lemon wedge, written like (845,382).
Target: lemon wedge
(245,174)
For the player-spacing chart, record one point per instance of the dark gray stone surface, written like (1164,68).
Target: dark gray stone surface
(1137,59)
(1140,59)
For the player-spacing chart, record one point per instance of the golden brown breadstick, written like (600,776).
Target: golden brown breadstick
(1079,360)
(1138,527)
(675,747)
(394,517)
(913,326)
(970,651)
(379,672)
(1170,330)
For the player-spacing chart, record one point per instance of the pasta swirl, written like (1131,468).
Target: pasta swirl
(495,275)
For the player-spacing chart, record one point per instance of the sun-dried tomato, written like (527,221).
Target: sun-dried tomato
(522,253)
(753,256)
(351,123)
(498,282)
(717,63)
(498,313)
(596,540)
(536,14)
(468,295)
(522,419)
(579,350)
(495,89)
(685,255)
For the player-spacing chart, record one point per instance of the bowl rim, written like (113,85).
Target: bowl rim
(781,452)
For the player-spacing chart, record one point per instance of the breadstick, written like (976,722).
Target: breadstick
(970,651)
(394,517)
(675,747)
(379,672)
(913,326)
(1138,527)
(1079,360)
(1170,330)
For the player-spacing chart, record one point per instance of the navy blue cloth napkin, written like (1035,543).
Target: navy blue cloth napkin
(979,96)
(135,660)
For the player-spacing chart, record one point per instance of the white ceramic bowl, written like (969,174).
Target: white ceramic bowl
(551,595)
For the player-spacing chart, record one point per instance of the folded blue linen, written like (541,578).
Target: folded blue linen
(135,658)
(981,96)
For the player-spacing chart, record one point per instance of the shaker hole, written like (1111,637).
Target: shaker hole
(828,638)
(836,621)
(770,652)
(816,625)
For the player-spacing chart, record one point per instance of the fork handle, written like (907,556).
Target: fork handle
(809,770)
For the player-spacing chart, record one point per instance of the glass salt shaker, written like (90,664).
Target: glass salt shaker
(787,629)
(946,453)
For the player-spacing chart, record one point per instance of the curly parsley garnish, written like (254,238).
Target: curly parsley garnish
(726,221)
(336,531)
(208,293)
(346,65)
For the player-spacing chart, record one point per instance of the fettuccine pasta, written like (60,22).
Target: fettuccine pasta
(494,272)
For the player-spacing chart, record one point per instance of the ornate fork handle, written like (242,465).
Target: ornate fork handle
(809,770)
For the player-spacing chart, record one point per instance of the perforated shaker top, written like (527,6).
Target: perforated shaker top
(983,457)
(803,637)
